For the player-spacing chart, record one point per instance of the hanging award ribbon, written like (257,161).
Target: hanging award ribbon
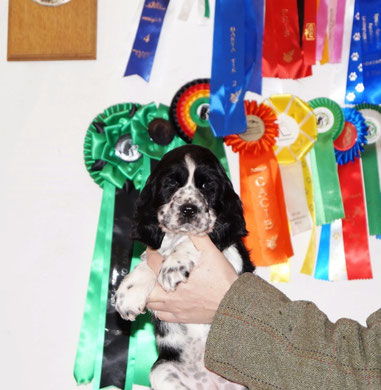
(371,48)
(297,134)
(348,146)
(261,187)
(327,194)
(309,32)
(233,61)
(120,166)
(189,112)
(282,54)
(372,116)
(147,39)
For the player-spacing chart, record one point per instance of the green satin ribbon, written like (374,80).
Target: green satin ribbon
(207,9)
(204,137)
(140,135)
(372,188)
(142,351)
(90,346)
(327,193)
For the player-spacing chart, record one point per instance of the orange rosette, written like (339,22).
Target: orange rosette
(262,197)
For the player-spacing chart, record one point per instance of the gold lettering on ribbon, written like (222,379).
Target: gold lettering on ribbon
(234,96)
(310,32)
(287,57)
(152,20)
(286,23)
(264,203)
(141,53)
(155,5)
(147,38)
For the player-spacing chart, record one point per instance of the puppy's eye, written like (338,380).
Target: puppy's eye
(204,185)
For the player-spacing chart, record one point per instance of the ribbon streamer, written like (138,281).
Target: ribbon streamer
(371,48)
(347,149)
(297,134)
(147,39)
(282,54)
(372,116)
(328,200)
(309,32)
(261,188)
(233,60)
(118,151)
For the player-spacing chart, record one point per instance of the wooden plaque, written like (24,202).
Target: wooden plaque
(40,32)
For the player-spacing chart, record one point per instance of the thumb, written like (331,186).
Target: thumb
(202,243)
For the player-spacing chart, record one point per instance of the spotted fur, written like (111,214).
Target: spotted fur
(188,192)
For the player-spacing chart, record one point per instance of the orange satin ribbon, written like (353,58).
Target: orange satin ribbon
(269,239)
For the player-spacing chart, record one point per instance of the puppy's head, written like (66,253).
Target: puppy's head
(189,193)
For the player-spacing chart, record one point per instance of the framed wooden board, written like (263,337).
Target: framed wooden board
(41,32)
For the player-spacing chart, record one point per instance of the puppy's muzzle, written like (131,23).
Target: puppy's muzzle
(189,210)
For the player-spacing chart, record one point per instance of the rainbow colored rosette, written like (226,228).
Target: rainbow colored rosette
(261,187)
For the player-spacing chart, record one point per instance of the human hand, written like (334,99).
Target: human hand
(197,300)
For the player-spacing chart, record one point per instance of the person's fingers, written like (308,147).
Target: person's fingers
(157,294)
(154,260)
(166,316)
(201,242)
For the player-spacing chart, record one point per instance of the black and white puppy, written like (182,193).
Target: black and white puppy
(187,193)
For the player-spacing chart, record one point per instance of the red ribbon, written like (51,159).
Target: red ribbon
(355,231)
(309,32)
(282,55)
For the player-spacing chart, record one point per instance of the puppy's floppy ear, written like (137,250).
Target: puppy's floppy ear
(145,226)
(230,225)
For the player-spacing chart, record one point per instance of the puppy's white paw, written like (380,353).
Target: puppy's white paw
(130,301)
(174,272)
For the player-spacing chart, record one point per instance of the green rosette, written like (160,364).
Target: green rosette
(327,193)
(119,145)
(145,120)
(372,116)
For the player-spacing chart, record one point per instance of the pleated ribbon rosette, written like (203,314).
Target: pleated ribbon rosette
(344,249)
(261,187)
(297,135)
(121,145)
(327,194)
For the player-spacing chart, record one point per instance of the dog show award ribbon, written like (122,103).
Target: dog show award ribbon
(327,194)
(372,116)
(120,167)
(147,38)
(233,60)
(297,134)
(261,187)
(348,146)
(282,54)
(189,112)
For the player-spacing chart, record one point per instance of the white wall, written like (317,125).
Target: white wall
(49,205)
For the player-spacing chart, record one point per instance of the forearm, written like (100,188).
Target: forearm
(265,341)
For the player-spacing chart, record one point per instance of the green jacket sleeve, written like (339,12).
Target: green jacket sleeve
(261,339)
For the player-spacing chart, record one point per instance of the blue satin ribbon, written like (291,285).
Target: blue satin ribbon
(322,261)
(355,117)
(364,66)
(234,48)
(255,83)
(147,38)
(355,86)
(371,49)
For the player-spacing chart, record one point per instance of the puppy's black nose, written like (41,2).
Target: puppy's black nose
(188,210)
